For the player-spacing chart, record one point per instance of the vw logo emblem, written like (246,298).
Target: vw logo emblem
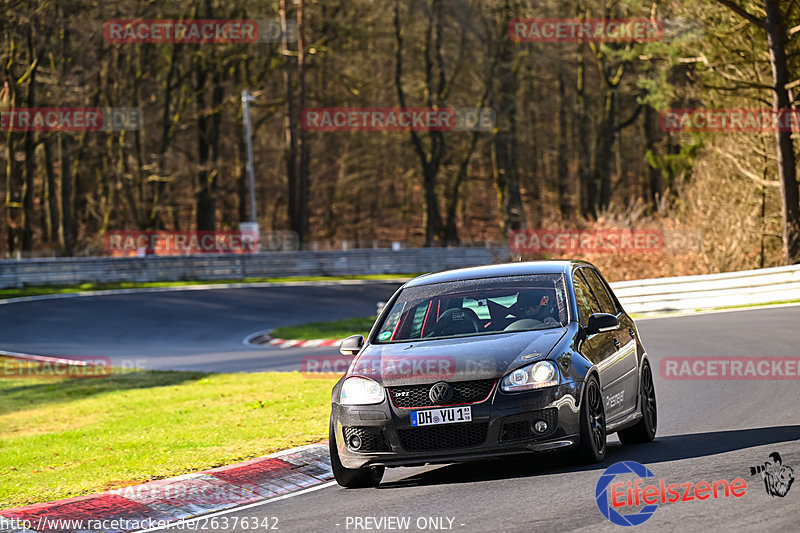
(441,393)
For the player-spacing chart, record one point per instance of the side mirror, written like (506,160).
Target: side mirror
(353,344)
(600,322)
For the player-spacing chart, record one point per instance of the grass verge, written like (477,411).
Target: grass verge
(64,289)
(61,438)
(335,329)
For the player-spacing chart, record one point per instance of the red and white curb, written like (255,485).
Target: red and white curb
(159,503)
(294,343)
(263,338)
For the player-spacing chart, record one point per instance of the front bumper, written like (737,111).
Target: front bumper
(501,425)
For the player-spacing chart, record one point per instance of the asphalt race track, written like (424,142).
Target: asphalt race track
(707,430)
(183,330)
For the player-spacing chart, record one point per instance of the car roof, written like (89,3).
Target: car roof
(496,271)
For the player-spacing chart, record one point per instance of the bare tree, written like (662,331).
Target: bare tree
(775,27)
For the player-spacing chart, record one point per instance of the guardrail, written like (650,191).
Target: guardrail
(54,271)
(687,293)
(642,296)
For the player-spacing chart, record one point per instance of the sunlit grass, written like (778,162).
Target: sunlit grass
(62,438)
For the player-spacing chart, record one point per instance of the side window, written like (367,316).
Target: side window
(391,322)
(586,301)
(600,291)
(410,321)
(418,319)
(561,300)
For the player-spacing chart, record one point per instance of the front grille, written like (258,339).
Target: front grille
(372,439)
(412,396)
(443,437)
(519,427)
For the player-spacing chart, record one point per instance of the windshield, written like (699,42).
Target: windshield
(476,307)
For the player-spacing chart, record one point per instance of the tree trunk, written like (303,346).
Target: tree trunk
(586,194)
(564,200)
(204,203)
(10,204)
(430,158)
(775,27)
(654,186)
(30,164)
(605,143)
(790,204)
(79,187)
(290,132)
(454,193)
(302,141)
(207,135)
(65,233)
(50,193)
(167,126)
(505,156)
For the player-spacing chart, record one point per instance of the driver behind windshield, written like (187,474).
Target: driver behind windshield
(535,304)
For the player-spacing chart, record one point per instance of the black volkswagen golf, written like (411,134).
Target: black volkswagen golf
(488,361)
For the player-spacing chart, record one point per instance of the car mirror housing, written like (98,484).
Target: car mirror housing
(600,322)
(353,344)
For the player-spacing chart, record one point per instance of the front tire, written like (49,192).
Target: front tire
(351,478)
(592,446)
(645,429)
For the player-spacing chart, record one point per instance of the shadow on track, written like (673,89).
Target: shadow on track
(663,449)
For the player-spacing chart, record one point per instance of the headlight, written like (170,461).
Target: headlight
(360,391)
(535,376)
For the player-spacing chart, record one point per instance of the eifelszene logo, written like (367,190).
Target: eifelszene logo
(778,477)
(607,505)
(614,496)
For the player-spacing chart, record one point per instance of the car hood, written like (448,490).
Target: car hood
(453,359)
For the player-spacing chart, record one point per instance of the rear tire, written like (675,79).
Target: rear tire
(592,446)
(351,478)
(645,428)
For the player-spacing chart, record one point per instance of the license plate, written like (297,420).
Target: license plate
(445,415)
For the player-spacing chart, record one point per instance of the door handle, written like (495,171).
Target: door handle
(616,343)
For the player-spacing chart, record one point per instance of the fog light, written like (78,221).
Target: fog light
(355,442)
(540,426)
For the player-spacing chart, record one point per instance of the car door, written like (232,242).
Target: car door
(598,347)
(620,398)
